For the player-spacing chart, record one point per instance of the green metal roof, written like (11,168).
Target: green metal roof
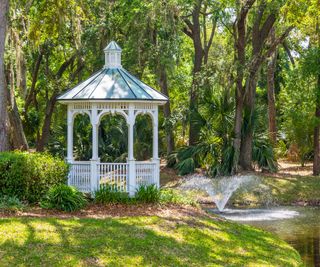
(112,84)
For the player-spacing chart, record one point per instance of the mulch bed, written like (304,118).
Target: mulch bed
(100,211)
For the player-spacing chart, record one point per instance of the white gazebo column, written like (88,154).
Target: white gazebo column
(155,149)
(95,157)
(131,187)
(70,136)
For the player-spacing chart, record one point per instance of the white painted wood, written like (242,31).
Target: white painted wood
(95,128)
(70,135)
(145,173)
(155,155)
(131,187)
(114,175)
(80,176)
(88,176)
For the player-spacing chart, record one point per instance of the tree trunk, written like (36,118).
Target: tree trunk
(19,140)
(271,69)
(240,60)
(316,143)
(245,157)
(166,109)
(194,130)
(45,133)
(237,130)
(4,139)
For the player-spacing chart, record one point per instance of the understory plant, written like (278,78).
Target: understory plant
(148,194)
(175,196)
(65,198)
(108,194)
(11,204)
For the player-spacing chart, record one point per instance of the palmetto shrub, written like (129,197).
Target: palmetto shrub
(65,198)
(28,176)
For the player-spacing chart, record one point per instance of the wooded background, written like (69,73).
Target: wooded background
(243,77)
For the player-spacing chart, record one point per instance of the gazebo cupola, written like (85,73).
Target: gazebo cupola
(112,90)
(112,55)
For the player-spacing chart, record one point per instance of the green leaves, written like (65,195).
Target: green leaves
(65,198)
(30,175)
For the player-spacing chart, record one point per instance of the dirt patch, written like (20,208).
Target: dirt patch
(113,210)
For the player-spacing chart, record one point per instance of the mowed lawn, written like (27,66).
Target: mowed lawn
(139,241)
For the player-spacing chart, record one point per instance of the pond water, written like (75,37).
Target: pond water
(299,226)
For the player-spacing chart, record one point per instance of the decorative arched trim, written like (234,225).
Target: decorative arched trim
(112,112)
(145,112)
(74,114)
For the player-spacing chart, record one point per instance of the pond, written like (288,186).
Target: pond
(299,226)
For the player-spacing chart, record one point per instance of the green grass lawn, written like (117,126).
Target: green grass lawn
(139,241)
(282,191)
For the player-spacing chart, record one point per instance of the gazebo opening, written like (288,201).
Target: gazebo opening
(82,135)
(114,91)
(142,136)
(113,138)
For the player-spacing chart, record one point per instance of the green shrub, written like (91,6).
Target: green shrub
(263,155)
(148,194)
(174,196)
(64,197)
(107,194)
(11,204)
(29,176)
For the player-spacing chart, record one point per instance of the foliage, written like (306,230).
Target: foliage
(11,204)
(140,241)
(297,107)
(29,176)
(282,192)
(65,198)
(148,194)
(108,194)
(50,49)
(175,196)
(263,155)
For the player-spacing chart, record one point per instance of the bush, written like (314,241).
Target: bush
(107,194)
(263,155)
(148,194)
(64,197)
(11,204)
(174,196)
(29,176)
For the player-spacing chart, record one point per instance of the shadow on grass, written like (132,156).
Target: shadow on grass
(138,241)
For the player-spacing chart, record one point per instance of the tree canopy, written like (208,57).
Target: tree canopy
(243,78)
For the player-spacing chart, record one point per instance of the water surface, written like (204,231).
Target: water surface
(299,227)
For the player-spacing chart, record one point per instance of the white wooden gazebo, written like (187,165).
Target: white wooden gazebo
(112,90)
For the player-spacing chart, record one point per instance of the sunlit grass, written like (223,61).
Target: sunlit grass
(139,241)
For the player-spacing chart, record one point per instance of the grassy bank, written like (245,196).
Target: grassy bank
(139,241)
(290,190)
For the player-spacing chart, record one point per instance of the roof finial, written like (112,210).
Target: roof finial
(112,55)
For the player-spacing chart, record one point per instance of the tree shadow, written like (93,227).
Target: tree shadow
(143,241)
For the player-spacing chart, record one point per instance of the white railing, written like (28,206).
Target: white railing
(80,176)
(114,175)
(146,173)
